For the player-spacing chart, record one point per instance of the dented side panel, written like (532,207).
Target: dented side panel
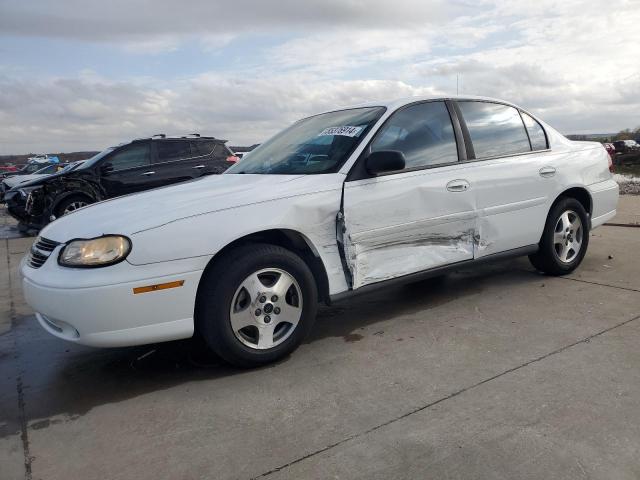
(405,223)
(310,209)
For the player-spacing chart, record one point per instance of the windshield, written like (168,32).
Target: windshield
(66,168)
(32,168)
(318,144)
(46,170)
(95,159)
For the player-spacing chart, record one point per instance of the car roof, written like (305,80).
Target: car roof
(394,104)
(191,136)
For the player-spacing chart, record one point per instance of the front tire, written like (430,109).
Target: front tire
(256,305)
(70,204)
(565,238)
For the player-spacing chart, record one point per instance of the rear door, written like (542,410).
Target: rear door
(413,219)
(212,156)
(175,162)
(515,176)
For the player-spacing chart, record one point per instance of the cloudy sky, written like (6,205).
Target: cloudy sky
(84,74)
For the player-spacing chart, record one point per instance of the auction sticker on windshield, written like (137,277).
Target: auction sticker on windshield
(345,131)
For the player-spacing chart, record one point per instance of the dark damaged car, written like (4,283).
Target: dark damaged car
(136,166)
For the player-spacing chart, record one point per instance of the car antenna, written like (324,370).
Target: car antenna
(161,135)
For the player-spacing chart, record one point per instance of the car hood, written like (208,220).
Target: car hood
(142,211)
(41,179)
(21,179)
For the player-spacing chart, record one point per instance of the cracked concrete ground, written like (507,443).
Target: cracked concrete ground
(497,373)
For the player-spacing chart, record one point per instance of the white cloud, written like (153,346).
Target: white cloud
(78,114)
(125,20)
(574,63)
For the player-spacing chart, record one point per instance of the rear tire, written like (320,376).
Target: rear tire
(565,238)
(256,304)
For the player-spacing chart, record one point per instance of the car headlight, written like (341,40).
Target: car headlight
(95,252)
(25,191)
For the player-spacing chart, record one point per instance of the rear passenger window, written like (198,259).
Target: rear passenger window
(536,133)
(422,132)
(203,148)
(494,129)
(173,150)
(221,151)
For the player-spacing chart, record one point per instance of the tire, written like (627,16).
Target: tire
(236,295)
(70,204)
(565,238)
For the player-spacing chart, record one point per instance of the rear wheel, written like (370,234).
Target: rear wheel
(565,238)
(256,304)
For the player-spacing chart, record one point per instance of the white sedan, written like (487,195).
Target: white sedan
(341,202)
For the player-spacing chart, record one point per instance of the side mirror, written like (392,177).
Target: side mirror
(106,169)
(384,161)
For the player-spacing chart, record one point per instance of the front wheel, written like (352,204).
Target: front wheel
(256,304)
(71,204)
(565,239)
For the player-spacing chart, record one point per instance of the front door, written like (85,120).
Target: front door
(127,170)
(415,219)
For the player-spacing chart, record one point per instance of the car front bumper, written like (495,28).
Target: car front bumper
(70,305)
(15,204)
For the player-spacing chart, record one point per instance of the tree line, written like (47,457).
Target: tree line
(627,134)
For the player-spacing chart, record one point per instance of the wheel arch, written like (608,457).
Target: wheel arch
(75,193)
(579,193)
(292,240)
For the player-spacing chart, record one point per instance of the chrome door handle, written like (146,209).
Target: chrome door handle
(146,174)
(458,186)
(547,172)
(198,167)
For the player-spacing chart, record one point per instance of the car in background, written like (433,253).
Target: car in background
(7,169)
(43,158)
(626,146)
(11,182)
(611,150)
(141,164)
(241,152)
(339,203)
(28,169)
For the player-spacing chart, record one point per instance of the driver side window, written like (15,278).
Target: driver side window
(422,132)
(137,155)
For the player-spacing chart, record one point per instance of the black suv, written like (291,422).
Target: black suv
(139,165)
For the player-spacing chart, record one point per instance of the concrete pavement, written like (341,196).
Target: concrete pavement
(497,372)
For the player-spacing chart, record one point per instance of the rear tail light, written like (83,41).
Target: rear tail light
(232,159)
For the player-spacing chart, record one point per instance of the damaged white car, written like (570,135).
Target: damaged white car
(339,202)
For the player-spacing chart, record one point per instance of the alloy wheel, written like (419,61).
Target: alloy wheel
(266,308)
(567,237)
(74,206)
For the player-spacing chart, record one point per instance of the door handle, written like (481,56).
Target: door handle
(146,174)
(547,172)
(198,167)
(458,186)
